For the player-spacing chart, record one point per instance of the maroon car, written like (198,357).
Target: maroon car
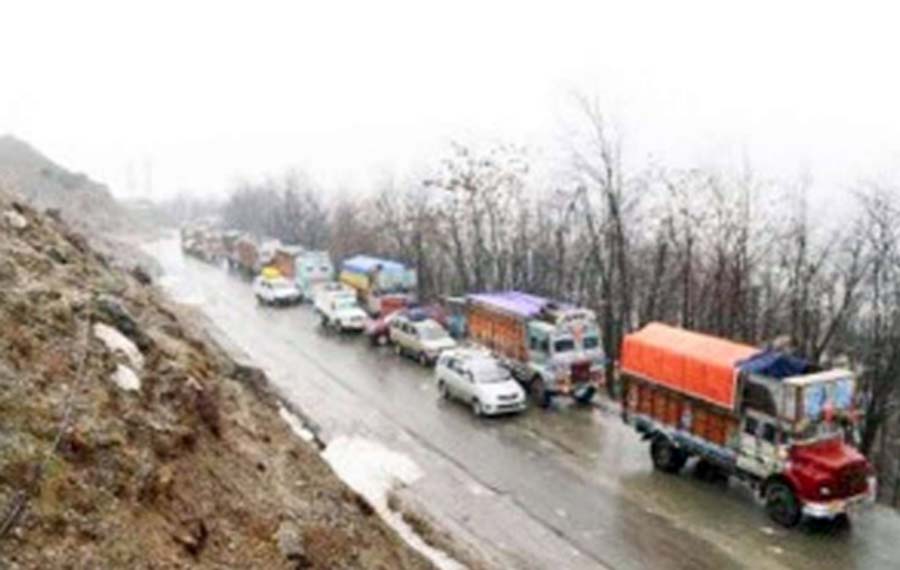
(377,330)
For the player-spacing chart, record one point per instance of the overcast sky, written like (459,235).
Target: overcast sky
(206,92)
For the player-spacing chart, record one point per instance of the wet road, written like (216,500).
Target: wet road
(568,488)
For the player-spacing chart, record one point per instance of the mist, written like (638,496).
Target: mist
(164,99)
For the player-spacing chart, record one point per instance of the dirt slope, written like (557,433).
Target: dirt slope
(128,440)
(46,184)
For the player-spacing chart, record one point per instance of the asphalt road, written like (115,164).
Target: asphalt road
(567,488)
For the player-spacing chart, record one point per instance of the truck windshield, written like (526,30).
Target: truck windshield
(563,345)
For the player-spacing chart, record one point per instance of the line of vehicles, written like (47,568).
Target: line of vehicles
(771,420)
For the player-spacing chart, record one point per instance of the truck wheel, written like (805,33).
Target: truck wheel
(540,393)
(666,457)
(782,505)
(324,322)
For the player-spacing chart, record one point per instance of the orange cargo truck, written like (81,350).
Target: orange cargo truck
(553,349)
(774,421)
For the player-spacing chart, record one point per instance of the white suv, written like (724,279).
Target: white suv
(475,377)
(275,291)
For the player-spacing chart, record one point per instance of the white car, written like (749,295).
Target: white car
(423,339)
(478,379)
(340,310)
(275,291)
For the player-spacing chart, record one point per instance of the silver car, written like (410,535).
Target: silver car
(478,379)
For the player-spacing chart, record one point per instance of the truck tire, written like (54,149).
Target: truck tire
(782,505)
(666,457)
(540,393)
(324,321)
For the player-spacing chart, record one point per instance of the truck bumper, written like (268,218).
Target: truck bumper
(837,507)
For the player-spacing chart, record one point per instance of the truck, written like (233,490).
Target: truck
(382,285)
(552,348)
(311,269)
(337,307)
(284,259)
(246,258)
(769,419)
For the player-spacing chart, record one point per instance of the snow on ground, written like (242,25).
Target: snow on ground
(373,470)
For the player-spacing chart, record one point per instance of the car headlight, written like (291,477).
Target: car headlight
(825,491)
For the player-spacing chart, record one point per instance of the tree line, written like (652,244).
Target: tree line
(722,251)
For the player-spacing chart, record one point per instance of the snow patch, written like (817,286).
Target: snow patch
(373,470)
(296,424)
(126,379)
(15,220)
(116,341)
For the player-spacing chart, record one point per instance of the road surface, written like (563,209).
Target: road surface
(567,488)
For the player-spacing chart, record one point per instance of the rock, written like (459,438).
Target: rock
(141,275)
(54,213)
(15,220)
(115,341)
(57,256)
(290,541)
(126,379)
(120,318)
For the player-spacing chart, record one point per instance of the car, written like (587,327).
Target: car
(378,330)
(475,377)
(419,337)
(339,310)
(275,291)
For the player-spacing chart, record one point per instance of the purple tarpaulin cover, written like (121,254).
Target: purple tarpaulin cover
(515,302)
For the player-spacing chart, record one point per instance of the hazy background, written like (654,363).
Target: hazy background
(189,96)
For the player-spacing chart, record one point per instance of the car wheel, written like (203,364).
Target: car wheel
(381,339)
(782,505)
(423,359)
(398,349)
(476,408)
(443,391)
(586,396)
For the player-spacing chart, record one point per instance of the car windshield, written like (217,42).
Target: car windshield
(345,303)
(489,372)
(563,345)
(432,332)
(591,342)
(281,285)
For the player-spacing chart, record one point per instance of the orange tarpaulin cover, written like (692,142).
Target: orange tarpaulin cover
(696,364)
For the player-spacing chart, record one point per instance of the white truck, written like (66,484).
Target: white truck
(338,309)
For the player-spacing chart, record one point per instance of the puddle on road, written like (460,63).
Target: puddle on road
(373,470)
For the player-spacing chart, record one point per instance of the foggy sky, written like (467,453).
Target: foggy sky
(205,92)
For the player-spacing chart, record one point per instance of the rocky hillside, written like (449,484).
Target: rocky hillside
(129,440)
(45,184)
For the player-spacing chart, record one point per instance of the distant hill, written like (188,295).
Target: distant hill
(45,184)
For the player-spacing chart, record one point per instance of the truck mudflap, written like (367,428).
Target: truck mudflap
(837,507)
